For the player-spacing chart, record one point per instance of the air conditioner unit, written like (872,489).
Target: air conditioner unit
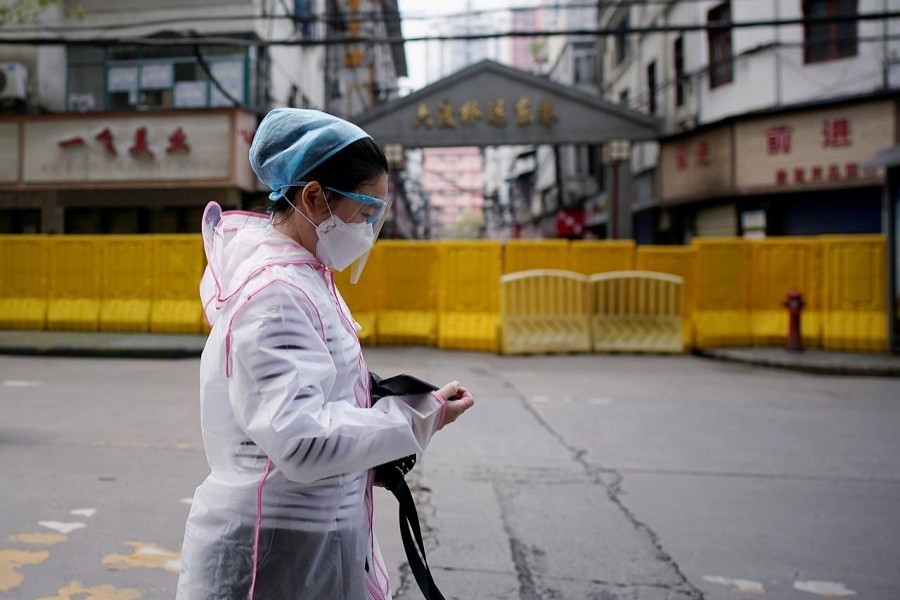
(13,81)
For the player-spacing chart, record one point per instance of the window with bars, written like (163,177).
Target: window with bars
(721,59)
(825,40)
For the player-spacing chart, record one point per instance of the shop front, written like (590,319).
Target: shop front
(798,172)
(122,172)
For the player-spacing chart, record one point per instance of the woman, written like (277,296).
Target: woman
(288,426)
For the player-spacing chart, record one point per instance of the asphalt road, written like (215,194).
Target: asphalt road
(584,477)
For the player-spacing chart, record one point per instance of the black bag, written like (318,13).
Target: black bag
(391,475)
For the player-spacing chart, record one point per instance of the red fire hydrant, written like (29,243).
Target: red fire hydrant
(794,303)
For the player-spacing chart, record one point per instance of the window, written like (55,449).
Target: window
(651,87)
(584,63)
(132,78)
(721,61)
(622,40)
(829,40)
(623,98)
(680,78)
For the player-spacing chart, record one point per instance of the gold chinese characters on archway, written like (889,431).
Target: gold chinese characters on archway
(496,113)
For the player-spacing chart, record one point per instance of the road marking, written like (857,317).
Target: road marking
(148,556)
(187,500)
(829,589)
(62,527)
(21,383)
(84,512)
(540,399)
(100,592)
(743,586)
(43,539)
(11,560)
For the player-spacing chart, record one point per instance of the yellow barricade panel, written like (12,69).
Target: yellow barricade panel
(176,316)
(23,313)
(178,263)
(544,311)
(24,270)
(855,296)
(637,311)
(73,314)
(128,266)
(589,257)
(408,293)
(125,314)
(407,327)
(76,283)
(524,255)
(777,266)
(722,316)
(469,295)
(674,260)
(468,331)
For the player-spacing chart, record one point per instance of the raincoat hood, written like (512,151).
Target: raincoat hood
(238,246)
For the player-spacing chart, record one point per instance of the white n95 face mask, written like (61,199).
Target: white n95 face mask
(341,243)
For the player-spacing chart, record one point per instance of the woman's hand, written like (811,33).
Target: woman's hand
(459,400)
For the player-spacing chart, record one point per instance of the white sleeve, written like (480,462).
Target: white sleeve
(281,373)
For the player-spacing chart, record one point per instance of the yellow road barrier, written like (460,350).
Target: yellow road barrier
(23,281)
(776,266)
(600,256)
(525,255)
(543,311)
(469,295)
(75,282)
(177,267)
(127,283)
(722,315)
(637,311)
(408,312)
(674,260)
(855,307)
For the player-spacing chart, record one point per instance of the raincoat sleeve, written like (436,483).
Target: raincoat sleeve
(281,372)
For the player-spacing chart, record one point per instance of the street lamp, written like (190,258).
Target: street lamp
(615,152)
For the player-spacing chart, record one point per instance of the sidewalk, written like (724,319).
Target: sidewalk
(160,345)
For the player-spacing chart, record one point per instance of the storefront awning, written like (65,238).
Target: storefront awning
(888,157)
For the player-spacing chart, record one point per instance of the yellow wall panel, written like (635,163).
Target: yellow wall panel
(76,282)
(855,302)
(408,293)
(721,316)
(777,265)
(468,295)
(594,256)
(24,270)
(524,255)
(178,262)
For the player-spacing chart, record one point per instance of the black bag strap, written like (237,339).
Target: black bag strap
(409,519)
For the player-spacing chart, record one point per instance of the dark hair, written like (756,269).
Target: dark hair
(359,163)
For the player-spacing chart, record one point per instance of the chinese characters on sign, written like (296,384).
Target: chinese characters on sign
(495,113)
(140,147)
(835,134)
(682,155)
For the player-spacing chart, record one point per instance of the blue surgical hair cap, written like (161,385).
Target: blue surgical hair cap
(291,142)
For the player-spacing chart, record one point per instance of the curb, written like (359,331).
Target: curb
(69,352)
(821,368)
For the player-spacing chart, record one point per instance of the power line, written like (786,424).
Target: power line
(311,17)
(179,39)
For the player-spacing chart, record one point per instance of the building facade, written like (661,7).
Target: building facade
(135,115)
(766,128)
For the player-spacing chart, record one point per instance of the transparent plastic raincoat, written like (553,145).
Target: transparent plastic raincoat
(288,427)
